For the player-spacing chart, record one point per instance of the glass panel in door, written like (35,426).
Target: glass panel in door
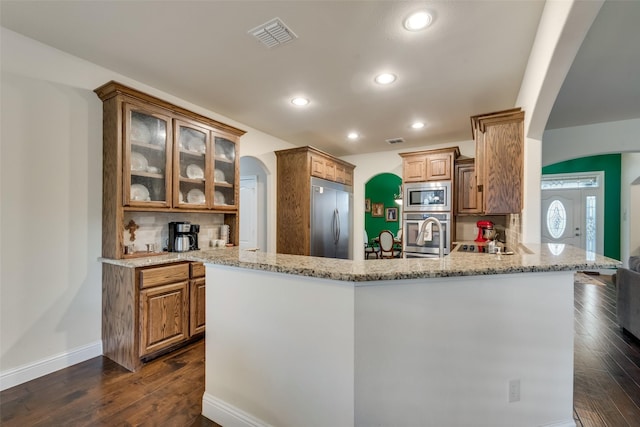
(224,174)
(146,158)
(191,166)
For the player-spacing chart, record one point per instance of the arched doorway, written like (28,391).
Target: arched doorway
(253,203)
(381,210)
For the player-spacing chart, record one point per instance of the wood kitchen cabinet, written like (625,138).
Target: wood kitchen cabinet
(429,165)
(327,167)
(163,316)
(149,311)
(295,169)
(159,157)
(467,198)
(197,288)
(499,160)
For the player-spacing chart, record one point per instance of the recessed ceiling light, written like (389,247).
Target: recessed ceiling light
(417,125)
(385,78)
(353,135)
(299,101)
(418,21)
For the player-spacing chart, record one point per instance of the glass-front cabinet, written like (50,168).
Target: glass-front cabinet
(224,174)
(160,157)
(192,166)
(147,157)
(173,163)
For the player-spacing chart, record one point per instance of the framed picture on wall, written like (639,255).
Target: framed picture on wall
(391,214)
(367,205)
(377,209)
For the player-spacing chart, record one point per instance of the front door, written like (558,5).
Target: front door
(561,217)
(573,210)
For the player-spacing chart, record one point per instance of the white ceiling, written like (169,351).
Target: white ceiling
(470,61)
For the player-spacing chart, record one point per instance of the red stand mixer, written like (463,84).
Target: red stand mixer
(485,231)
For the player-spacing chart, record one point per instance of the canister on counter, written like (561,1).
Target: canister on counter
(224,233)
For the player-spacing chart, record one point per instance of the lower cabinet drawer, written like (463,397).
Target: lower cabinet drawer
(154,276)
(197,269)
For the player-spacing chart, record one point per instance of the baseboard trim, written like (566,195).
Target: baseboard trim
(31,371)
(223,413)
(566,423)
(227,415)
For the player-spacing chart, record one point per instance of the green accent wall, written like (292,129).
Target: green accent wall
(381,189)
(611,165)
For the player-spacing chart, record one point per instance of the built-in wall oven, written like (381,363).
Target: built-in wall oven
(427,197)
(412,222)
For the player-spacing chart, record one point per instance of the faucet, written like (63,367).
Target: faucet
(437,222)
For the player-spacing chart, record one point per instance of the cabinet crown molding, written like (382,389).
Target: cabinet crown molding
(454,150)
(113,88)
(480,121)
(311,149)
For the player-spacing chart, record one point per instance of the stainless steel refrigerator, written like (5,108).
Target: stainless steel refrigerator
(331,219)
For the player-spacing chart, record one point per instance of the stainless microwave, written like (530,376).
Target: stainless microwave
(427,196)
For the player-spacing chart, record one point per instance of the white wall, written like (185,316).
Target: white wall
(51,224)
(559,145)
(630,207)
(51,181)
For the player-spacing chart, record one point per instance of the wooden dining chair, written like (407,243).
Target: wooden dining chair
(369,248)
(387,245)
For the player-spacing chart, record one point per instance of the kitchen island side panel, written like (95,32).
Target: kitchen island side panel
(442,351)
(290,350)
(279,349)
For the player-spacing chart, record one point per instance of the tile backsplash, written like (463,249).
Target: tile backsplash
(153,228)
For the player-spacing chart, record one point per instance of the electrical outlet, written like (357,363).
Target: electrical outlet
(514,391)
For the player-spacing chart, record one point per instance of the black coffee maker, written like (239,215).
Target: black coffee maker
(177,229)
(180,229)
(193,232)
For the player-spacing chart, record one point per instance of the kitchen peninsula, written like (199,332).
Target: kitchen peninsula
(469,339)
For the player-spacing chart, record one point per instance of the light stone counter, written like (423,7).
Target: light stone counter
(533,258)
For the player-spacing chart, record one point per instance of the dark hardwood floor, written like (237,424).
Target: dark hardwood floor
(606,363)
(165,392)
(168,391)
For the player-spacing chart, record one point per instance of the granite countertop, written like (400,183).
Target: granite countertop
(532,258)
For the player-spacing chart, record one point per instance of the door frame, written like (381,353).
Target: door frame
(251,209)
(598,191)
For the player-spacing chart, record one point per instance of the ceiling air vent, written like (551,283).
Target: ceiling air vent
(273,33)
(395,141)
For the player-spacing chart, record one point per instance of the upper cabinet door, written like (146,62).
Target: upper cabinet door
(146,157)
(414,168)
(192,171)
(438,167)
(225,173)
